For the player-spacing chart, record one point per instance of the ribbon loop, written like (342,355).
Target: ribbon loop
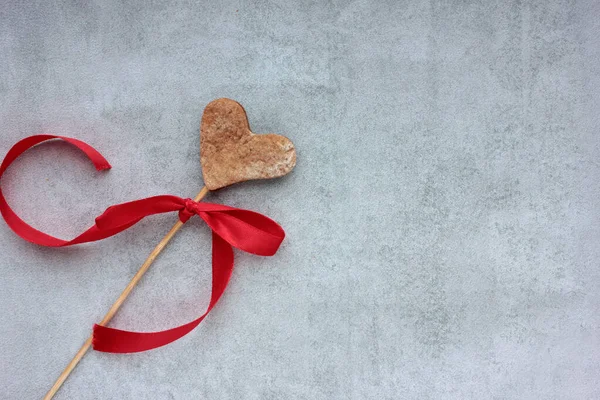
(246,230)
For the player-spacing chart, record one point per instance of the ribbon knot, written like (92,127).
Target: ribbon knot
(231,227)
(190,208)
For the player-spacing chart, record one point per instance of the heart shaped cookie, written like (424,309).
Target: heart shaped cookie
(231,153)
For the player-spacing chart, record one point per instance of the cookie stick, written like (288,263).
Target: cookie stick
(115,307)
(229,153)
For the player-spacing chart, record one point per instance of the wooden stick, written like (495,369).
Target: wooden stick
(115,307)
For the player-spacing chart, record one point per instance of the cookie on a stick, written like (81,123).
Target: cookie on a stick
(229,153)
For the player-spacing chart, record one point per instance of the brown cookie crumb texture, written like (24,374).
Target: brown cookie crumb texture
(231,153)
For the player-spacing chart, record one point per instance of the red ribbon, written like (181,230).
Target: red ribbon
(248,231)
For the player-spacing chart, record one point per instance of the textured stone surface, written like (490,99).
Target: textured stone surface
(442,224)
(231,153)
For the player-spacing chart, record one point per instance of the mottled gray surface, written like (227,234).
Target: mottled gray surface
(443,219)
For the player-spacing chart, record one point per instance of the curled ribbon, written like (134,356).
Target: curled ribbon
(231,227)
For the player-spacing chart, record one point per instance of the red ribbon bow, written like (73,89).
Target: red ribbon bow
(247,230)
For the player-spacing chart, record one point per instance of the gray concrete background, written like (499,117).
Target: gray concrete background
(443,219)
